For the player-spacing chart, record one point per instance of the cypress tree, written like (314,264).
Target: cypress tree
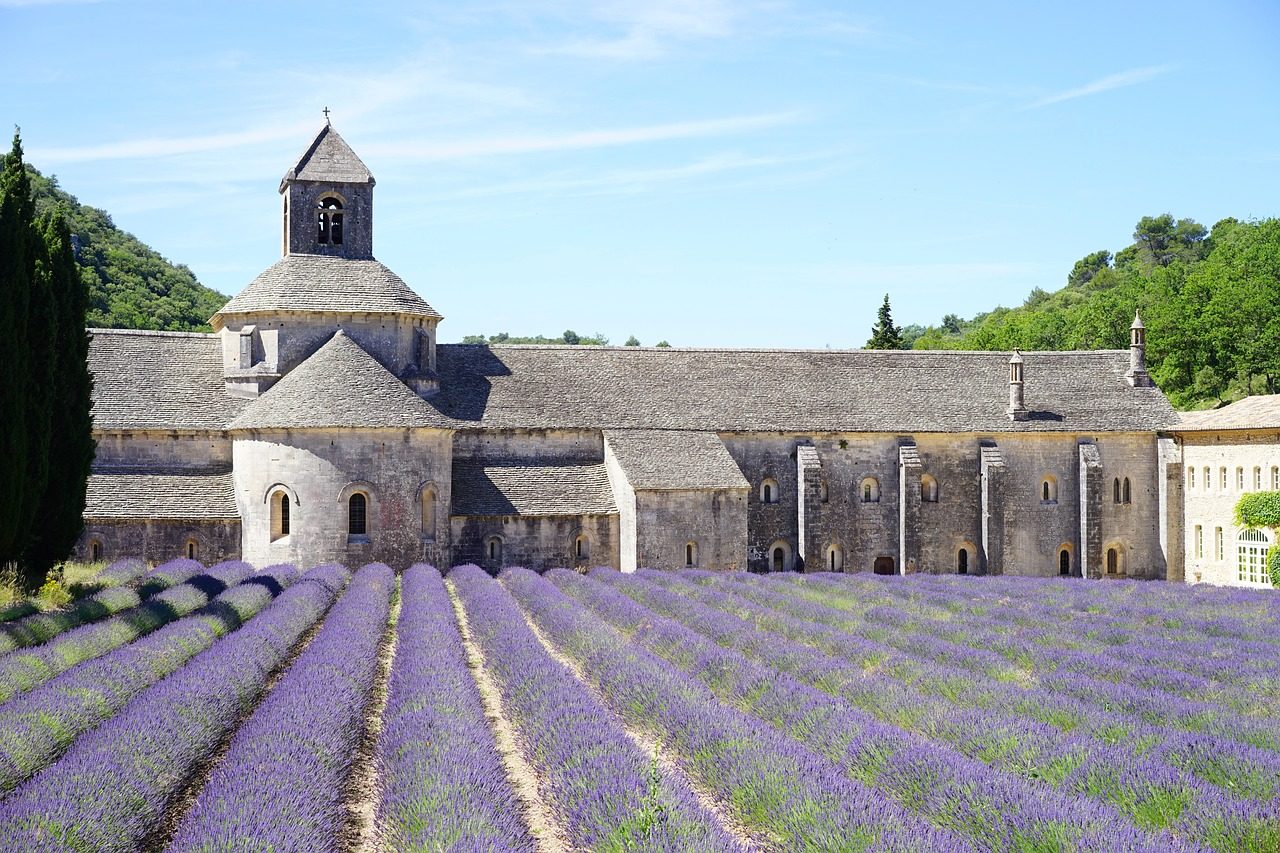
(41,378)
(16,273)
(885,335)
(60,517)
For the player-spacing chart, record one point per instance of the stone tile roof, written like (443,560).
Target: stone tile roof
(667,459)
(160,496)
(329,158)
(531,489)
(340,385)
(326,283)
(789,390)
(158,380)
(1261,411)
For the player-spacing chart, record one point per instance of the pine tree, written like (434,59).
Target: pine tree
(885,335)
(61,510)
(16,270)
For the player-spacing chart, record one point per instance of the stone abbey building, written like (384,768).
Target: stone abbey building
(322,420)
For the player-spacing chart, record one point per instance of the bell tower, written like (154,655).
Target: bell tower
(328,201)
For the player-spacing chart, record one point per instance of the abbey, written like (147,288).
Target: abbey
(322,421)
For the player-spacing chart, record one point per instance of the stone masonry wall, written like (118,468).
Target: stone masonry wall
(159,541)
(715,520)
(535,542)
(163,450)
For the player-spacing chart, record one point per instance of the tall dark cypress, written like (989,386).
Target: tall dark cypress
(60,517)
(41,377)
(16,272)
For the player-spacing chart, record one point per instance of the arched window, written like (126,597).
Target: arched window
(769,491)
(1239,478)
(1126,493)
(1191,477)
(1049,489)
(429,513)
(691,554)
(1208,481)
(823,494)
(582,547)
(1113,561)
(193,550)
(357,515)
(1257,478)
(780,557)
(95,551)
(1251,557)
(835,558)
(1275,478)
(493,550)
(1064,562)
(870,490)
(962,561)
(329,221)
(928,489)
(1115,490)
(1222,478)
(279,514)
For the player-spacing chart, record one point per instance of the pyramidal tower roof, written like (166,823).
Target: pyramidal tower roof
(329,159)
(340,385)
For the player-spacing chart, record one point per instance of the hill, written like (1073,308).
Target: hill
(131,286)
(1210,300)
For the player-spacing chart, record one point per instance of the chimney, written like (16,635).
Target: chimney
(1137,373)
(1017,407)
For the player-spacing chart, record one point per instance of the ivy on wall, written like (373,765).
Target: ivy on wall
(1262,509)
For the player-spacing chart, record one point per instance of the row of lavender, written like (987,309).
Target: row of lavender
(1196,785)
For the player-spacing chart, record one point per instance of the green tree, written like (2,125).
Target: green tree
(61,508)
(571,337)
(16,272)
(885,335)
(1088,267)
(633,341)
(663,344)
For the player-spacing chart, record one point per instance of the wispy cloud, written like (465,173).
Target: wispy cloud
(649,27)
(167,146)
(628,181)
(1104,84)
(529,143)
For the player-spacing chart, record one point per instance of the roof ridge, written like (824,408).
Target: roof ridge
(153,333)
(805,350)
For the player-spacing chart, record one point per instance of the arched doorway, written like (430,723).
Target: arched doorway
(884,566)
(962,561)
(1064,562)
(779,559)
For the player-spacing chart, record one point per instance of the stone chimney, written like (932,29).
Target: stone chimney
(1137,373)
(1017,407)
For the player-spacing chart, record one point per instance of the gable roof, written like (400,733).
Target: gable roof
(1261,411)
(326,283)
(531,488)
(329,159)
(160,495)
(666,459)
(801,391)
(340,385)
(158,380)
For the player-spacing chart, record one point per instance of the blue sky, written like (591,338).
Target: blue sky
(712,173)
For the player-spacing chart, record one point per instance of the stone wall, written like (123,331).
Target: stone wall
(160,541)
(714,520)
(535,542)
(1212,508)
(540,445)
(163,450)
(319,469)
(301,205)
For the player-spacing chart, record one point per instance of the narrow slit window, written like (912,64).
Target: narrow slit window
(357,515)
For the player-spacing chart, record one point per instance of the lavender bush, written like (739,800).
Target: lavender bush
(443,783)
(295,751)
(111,787)
(36,727)
(607,793)
(22,670)
(780,788)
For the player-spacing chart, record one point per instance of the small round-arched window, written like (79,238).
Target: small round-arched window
(1125,494)
(357,515)
(870,490)
(962,561)
(1049,489)
(581,547)
(493,550)
(835,558)
(329,221)
(769,491)
(95,551)
(193,550)
(280,520)
(928,489)
(691,554)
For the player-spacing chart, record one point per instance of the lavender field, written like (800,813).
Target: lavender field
(223,708)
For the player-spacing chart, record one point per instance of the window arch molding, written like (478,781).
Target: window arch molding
(281,487)
(1048,488)
(833,558)
(928,489)
(769,492)
(193,547)
(580,545)
(1113,559)
(368,512)
(869,490)
(780,556)
(966,558)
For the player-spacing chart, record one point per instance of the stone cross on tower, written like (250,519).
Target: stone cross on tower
(326,115)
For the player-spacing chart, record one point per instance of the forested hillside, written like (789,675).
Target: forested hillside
(130,285)
(1210,300)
